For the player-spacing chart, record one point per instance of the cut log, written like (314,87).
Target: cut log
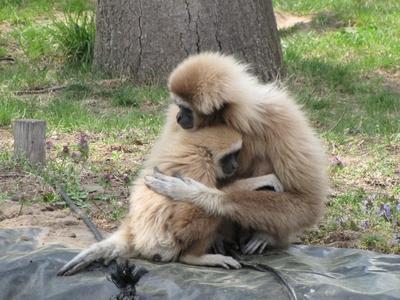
(30,140)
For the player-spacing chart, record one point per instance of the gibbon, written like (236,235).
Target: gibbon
(160,229)
(210,89)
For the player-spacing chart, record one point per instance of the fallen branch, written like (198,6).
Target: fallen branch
(7,58)
(41,91)
(98,236)
(12,175)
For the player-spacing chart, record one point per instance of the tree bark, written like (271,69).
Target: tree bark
(146,39)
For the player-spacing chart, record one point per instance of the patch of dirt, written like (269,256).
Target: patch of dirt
(60,226)
(46,20)
(7,140)
(343,239)
(286,20)
(21,186)
(391,80)
(5,27)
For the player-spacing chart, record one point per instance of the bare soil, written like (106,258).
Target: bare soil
(59,226)
(286,20)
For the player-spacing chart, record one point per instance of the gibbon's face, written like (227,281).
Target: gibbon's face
(228,164)
(190,119)
(185,117)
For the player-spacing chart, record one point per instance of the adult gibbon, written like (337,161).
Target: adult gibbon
(210,89)
(160,229)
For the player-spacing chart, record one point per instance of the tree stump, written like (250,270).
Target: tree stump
(30,140)
(145,40)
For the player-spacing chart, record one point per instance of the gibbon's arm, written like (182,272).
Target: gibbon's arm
(277,213)
(255,183)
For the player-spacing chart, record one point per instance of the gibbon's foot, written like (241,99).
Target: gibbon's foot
(177,188)
(105,249)
(257,243)
(218,260)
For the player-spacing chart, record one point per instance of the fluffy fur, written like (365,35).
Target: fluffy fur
(277,138)
(163,230)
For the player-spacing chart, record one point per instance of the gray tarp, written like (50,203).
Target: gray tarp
(28,272)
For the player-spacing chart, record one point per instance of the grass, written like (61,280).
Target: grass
(335,64)
(343,67)
(75,37)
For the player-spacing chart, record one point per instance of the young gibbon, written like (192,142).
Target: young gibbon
(160,229)
(211,88)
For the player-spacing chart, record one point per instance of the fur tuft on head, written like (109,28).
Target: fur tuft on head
(205,80)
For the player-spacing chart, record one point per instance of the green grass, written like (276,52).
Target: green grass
(24,12)
(67,114)
(343,68)
(334,65)
(75,37)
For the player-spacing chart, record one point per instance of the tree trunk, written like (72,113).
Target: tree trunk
(146,39)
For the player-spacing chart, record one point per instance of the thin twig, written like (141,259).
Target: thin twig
(335,125)
(98,236)
(12,175)
(20,209)
(41,91)
(7,58)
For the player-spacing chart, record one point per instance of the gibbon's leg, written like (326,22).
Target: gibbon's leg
(251,242)
(114,246)
(260,210)
(195,256)
(219,260)
(254,242)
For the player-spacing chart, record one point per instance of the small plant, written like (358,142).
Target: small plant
(127,96)
(75,37)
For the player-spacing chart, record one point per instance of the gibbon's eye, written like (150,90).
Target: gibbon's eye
(185,117)
(229,163)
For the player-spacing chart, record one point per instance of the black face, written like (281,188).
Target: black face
(229,163)
(185,117)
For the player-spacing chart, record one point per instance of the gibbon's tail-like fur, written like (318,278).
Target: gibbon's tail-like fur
(161,229)
(277,138)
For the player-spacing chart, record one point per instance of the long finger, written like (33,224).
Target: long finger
(262,247)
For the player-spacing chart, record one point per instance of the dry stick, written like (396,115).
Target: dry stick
(7,58)
(41,91)
(335,125)
(98,236)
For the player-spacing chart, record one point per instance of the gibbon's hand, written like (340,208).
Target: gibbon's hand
(177,188)
(105,249)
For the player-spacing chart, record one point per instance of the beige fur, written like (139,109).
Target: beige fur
(159,228)
(277,138)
